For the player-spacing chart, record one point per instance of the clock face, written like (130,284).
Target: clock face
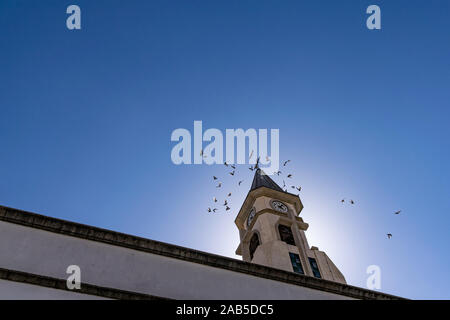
(251,216)
(279,206)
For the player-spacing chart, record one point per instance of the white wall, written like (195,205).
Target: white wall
(45,253)
(10,290)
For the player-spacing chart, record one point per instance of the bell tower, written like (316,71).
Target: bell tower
(272,233)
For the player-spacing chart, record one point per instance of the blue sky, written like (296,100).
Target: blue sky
(86,118)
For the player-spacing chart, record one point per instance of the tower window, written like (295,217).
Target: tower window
(296,264)
(314,267)
(254,243)
(286,234)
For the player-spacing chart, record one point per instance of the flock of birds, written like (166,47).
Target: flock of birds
(389,235)
(232,171)
(226,202)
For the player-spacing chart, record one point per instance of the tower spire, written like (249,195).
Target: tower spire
(261,179)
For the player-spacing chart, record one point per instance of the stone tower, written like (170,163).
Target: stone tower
(272,233)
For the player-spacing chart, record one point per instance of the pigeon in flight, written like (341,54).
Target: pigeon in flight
(219,185)
(239,183)
(343,200)
(352,202)
(229,194)
(225,203)
(215,199)
(286,162)
(227,208)
(209,210)
(232,173)
(389,235)
(289,175)
(397,212)
(278,172)
(226,164)
(214,178)
(214,210)
(233,166)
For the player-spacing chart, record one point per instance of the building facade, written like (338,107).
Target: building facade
(36,252)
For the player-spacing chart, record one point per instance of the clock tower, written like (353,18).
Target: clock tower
(273,234)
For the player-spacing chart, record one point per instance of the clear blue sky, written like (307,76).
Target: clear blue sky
(86,118)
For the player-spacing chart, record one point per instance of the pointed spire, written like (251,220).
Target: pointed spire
(261,179)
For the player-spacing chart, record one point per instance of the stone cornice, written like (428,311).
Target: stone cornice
(59,284)
(72,229)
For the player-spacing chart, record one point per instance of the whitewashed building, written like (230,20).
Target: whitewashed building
(36,250)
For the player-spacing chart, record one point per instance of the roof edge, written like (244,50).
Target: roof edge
(77,230)
(86,288)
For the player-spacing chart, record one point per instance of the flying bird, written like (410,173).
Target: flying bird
(239,183)
(397,212)
(214,210)
(389,235)
(233,166)
(278,172)
(352,202)
(219,185)
(343,200)
(232,173)
(215,199)
(286,162)
(229,194)
(226,164)
(227,208)
(225,203)
(209,210)
(214,177)
(251,168)
(284,184)
(289,175)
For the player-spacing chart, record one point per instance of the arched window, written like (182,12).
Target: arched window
(286,234)
(254,243)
